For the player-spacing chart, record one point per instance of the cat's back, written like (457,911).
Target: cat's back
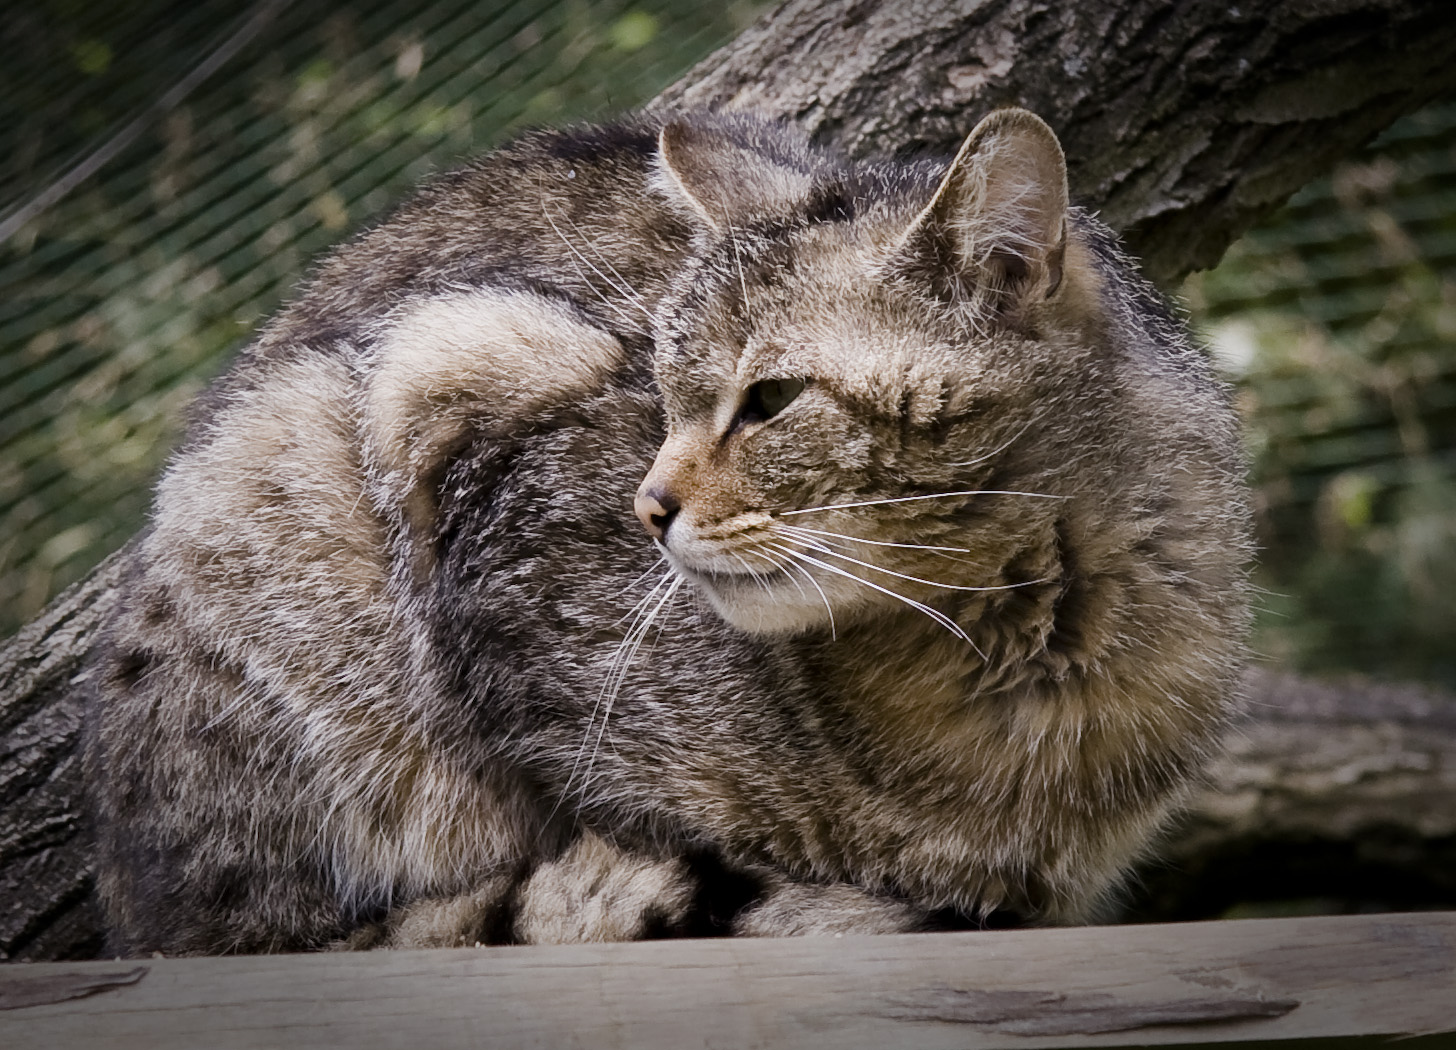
(266,659)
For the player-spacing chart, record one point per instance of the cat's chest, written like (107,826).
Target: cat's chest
(829,756)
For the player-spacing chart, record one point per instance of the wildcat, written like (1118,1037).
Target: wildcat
(669,527)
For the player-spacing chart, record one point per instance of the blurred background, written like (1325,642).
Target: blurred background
(168,170)
(223,145)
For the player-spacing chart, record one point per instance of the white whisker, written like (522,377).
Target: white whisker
(637,612)
(911,499)
(935,614)
(662,559)
(874,543)
(742,282)
(1001,448)
(631,321)
(756,577)
(757,551)
(643,614)
(815,545)
(789,563)
(625,289)
(618,677)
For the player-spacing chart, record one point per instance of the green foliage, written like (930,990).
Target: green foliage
(118,302)
(1338,318)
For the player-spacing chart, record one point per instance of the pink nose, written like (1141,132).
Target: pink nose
(656,507)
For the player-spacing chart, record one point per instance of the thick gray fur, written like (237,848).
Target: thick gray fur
(397,664)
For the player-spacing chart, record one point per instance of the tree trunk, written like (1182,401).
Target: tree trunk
(46,905)
(1183,124)
(1331,797)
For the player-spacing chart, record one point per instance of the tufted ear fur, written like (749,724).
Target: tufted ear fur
(727,173)
(998,219)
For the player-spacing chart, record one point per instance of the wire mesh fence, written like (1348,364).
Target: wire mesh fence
(1338,318)
(119,299)
(171,168)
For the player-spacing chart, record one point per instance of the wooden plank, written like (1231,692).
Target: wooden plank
(1263,979)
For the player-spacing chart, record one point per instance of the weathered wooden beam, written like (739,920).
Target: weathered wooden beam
(1272,979)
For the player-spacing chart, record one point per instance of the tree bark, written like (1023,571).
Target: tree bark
(1183,124)
(46,905)
(1331,797)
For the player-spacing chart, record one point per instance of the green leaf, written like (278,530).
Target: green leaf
(633,31)
(92,57)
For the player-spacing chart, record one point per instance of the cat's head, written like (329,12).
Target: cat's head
(854,370)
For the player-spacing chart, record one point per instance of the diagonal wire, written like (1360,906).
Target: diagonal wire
(169,100)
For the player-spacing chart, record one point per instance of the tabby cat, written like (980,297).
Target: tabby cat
(670,528)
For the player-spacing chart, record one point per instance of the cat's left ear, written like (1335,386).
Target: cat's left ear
(729,174)
(999,215)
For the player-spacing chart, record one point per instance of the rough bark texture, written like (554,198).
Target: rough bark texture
(1183,124)
(46,906)
(1331,797)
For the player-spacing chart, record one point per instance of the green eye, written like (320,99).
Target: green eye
(766,399)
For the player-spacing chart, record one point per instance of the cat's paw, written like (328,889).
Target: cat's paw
(800,909)
(598,892)
(469,919)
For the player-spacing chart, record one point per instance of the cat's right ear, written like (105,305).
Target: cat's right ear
(724,181)
(997,224)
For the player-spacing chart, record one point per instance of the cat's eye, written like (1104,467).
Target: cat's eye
(766,399)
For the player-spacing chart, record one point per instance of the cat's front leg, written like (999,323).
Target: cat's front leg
(597,891)
(594,891)
(481,916)
(787,908)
